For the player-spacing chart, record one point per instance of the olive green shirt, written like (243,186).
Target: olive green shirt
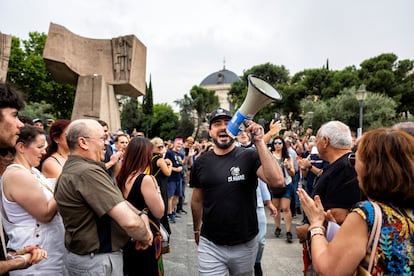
(84,194)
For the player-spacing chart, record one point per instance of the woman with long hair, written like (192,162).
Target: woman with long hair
(142,191)
(57,151)
(282,198)
(384,163)
(29,210)
(161,168)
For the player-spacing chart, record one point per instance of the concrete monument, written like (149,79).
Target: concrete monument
(5,47)
(101,69)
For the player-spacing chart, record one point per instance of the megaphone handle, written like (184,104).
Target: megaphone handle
(243,127)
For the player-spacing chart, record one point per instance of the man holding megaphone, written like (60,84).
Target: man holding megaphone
(224,198)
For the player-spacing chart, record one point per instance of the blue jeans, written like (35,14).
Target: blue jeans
(261,237)
(295,188)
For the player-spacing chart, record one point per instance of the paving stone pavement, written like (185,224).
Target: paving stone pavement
(279,258)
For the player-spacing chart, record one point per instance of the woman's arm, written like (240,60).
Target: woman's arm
(23,188)
(289,166)
(152,196)
(165,165)
(51,168)
(343,254)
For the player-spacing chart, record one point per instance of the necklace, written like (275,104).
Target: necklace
(61,155)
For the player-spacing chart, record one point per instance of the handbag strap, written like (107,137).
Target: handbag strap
(155,225)
(375,234)
(159,169)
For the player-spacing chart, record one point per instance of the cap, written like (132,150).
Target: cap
(37,120)
(220,112)
(190,139)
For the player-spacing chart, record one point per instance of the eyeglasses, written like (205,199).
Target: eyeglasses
(351,159)
(278,143)
(103,138)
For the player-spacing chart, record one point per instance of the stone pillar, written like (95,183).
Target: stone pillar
(95,99)
(5,47)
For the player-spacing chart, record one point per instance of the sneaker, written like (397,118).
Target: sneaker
(277,232)
(176,215)
(182,211)
(171,218)
(289,237)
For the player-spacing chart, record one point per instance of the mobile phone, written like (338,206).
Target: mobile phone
(275,116)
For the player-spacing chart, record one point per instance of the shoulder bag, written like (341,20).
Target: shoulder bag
(161,237)
(375,234)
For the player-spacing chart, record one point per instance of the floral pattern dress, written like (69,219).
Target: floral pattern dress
(395,251)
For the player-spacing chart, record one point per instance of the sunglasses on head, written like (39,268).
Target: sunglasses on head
(278,143)
(351,159)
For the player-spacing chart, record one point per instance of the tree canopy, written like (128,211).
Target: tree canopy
(329,94)
(28,72)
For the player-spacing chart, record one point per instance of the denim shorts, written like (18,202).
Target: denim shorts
(287,192)
(174,188)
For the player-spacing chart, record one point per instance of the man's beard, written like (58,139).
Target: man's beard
(223,146)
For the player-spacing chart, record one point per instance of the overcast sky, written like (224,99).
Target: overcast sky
(187,40)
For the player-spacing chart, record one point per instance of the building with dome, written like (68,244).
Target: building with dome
(221,82)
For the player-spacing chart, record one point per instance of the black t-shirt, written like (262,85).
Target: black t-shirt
(338,185)
(228,184)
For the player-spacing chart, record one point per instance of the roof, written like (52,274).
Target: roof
(223,76)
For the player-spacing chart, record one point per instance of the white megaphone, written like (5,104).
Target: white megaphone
(259,94)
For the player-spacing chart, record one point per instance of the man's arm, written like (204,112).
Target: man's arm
(197,211)
(131,222)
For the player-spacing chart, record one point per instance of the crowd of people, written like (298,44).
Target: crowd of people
(77,198)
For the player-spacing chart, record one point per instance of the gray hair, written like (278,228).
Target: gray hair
(405,126)
(78,128)
(338,133)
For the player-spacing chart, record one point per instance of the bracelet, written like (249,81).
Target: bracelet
(196,232)
(143,213)
(316,231)
(14,257)
(311,227)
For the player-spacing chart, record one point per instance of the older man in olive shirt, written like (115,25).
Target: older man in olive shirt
(98,221)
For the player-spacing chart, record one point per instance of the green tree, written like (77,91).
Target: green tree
(379,110)
(131,115)
(386,75)
(203,102)
(147,103)
(38,110)
(277,76)
(28,72)
(186,123)
(163,123)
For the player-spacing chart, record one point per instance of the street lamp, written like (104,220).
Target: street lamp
(310,118)
(360,96)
